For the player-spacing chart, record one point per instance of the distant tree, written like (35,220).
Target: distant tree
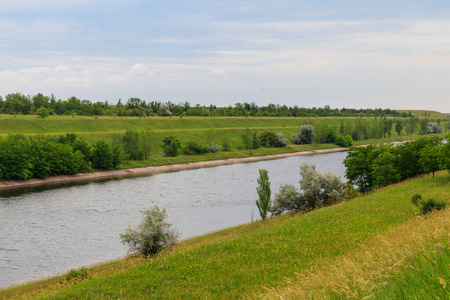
(43,112)
(433,128)
(411,125)
(171,146)
(423,126)
(146,137)
(264,193)
(246,138)
(164,109)
(399,127)
(344,141)
(359,166)
(269,139)
(102,156)
(132,145)
(305,136)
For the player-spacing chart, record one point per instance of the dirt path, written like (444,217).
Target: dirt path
(102,175)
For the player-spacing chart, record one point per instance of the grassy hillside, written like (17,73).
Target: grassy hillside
(340,251)
(421,113)
(202,130)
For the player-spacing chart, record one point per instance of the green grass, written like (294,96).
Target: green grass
(185,129)
(244,261)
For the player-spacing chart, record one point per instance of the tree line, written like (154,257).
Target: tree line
(378,166)
(39,104)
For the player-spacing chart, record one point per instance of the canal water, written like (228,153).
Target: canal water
(43,233)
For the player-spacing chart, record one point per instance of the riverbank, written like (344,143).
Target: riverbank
(133,172)
(373,238)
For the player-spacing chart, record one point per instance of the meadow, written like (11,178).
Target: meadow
(203,130)
(352,249)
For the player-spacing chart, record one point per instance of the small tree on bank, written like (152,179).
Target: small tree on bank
(263,203)
(152,235)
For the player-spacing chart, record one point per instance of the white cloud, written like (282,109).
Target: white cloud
(138,69)
(218,72)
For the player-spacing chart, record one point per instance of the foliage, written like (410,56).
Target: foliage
(132,145)
(344,141)
(399,127)
(213,148)
(226,146)
(42,112)
(377,166)
(288,198)
(192,148)
(320,189)
(433,128)
(282,142)
(102,156)
(269,139)
(305,136)
(359,166)
(77,275)
(426,206)
(41,156)
(430,158)
(152,235)
(264,193)
(171,146)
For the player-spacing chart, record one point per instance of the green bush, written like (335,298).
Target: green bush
(77,275)
(426,206)
(192,148)
(344,141)
(152,235)
(171,146)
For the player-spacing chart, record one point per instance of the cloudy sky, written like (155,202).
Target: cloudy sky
(360,54)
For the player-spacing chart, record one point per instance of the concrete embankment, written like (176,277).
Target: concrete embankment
(104,175)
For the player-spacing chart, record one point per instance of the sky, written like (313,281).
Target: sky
(354,54)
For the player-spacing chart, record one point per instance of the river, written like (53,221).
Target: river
(43,233)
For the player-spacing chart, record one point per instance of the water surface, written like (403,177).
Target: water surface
(47,232)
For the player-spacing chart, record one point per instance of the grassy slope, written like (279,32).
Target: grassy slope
(185,129)
(242,261)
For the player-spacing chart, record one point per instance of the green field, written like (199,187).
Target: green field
(203,130)
(345,250)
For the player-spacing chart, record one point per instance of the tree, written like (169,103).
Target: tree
(263,203)
(320,189)
(430,158)
(171,146)
(43,112)
(146,141)
(305,136)
(359,166)
(152,235)
(132,145)
(411,125)
(102,156)
(399,127)
(383,168)
(269,139)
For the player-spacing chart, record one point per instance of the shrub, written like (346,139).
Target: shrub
(268,139)
(426,206)
(192,148)
(287,198)
(213,148)
(320,189)
(102,156)
(171,146)
(282,142)
(77,275)
(152,235)
(305,136)
(434,128)
(344,141)
(226,145)
(42,112)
